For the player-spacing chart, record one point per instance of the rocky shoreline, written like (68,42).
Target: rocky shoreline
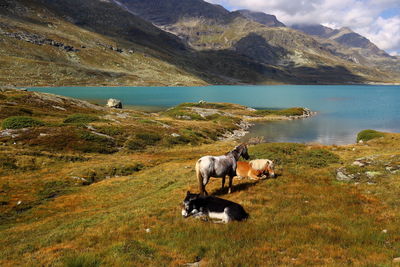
(248,121)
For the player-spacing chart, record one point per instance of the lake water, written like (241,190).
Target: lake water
(343,111)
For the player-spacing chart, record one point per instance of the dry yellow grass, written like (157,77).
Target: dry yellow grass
(130,212)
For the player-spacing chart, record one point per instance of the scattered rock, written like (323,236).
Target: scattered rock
(202,102)
(79,178)
(184,117)
(372,174)
(361,141)
(358,163)
(148,230)
(175,135)
(396,260)
(123,115)
(19,202)
(114,103)
(384,231)
(59,108)
(341,175)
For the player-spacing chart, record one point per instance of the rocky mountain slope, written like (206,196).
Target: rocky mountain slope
(260,17)
(110,42)
(301,55)
(344,36)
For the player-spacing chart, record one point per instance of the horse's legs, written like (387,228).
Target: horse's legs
(203,184)
(230,184)
(223,182)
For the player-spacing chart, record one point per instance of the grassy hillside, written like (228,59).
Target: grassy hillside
(104,188)
(41,47)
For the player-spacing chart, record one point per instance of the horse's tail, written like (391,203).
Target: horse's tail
(199,177)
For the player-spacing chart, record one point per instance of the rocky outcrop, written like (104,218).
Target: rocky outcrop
(114,103)
(39,40)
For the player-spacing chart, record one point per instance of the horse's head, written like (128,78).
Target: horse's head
(270,168)
(188,207)
(243,151)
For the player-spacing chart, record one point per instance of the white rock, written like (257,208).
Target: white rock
(384,231)
(358,163)
(114,103)
(148,230)
(372,174)
(340,176)
(19,202)
(175,135)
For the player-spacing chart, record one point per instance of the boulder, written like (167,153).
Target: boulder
(341,175)
(114,103)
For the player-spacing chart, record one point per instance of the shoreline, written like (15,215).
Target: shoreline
(207,85)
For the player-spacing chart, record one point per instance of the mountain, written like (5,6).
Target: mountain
(300,55)
(97,42)
(171,11)
(352,46)
(260,17)
(344,36)
(170,42)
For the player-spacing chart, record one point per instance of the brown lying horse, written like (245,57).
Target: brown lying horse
(256,169)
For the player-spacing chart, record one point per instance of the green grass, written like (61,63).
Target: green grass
(281,112)
(18,122)
(290,153)
(183,114)
(142,140)
(367,135)
(81,118)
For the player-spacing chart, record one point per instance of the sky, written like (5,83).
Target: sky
(378,20)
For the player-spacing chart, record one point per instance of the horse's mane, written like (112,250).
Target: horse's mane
(237,149)
(260,164)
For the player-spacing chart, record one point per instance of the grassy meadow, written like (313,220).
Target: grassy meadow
(81,185)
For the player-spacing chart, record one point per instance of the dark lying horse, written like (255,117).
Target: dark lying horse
(219,167)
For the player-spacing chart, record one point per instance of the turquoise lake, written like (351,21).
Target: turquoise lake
(343,111)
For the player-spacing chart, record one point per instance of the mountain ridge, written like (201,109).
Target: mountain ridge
(104,42)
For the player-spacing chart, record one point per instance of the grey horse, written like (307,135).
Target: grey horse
(219,167)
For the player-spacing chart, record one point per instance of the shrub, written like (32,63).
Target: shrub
(53,189)
(83,260)
(94,175)
(318,158)
(141,140)
(368,135)
(7,162)
(18,122)
(81,118)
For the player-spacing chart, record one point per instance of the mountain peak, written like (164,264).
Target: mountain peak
(260,17)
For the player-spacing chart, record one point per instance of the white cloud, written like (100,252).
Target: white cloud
(362,16)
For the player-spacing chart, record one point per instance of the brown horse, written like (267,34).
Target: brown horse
(256,169)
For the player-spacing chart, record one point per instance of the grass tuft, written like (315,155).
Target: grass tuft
(83,260)
(81,118)
(367,135)
(18,122)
